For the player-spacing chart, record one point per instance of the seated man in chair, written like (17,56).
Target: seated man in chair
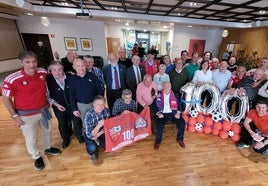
(166,109)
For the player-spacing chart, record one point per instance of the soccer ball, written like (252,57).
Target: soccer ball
(216,116)
(231,133)
(193,113)
(198,126)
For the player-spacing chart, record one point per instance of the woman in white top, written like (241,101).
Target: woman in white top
(161,77)
(203,75)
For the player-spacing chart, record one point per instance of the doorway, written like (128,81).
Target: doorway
(30,41)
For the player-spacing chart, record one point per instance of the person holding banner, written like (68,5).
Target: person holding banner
(125,104)
(93,124)
(165,108)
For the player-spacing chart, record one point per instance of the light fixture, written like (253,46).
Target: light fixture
(45,21)
(224,33)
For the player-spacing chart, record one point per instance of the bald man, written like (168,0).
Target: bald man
(221,76)
(67,61)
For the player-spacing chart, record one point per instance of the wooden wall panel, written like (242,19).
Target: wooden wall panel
(254,39)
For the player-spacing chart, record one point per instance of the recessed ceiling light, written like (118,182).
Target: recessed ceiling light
(193,4)
(165,26)
(179,14)
(127,24)
(114,8)
(64,3)
(189,26)
(145,30)
(262,12)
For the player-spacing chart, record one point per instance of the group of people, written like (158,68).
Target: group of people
(75,89)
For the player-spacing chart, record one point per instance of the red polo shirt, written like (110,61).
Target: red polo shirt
(261,122)
(29,92)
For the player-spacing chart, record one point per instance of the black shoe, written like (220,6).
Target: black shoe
(39,164)
(81,139)
(53,151)
(65,143)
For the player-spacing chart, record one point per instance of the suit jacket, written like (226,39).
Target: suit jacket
(107,75)
(131,78)
(55,92)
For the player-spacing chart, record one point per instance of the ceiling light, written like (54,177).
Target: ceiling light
(64,4)
(224,33)
(127,24)
(144,30)
(114,8)
(45,21)
(262,12)
(164,26)
(193,4)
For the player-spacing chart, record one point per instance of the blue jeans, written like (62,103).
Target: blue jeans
(91,145)
(161,122)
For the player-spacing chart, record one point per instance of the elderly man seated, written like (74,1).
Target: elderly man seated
(166,109)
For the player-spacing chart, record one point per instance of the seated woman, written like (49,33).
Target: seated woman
(161,77)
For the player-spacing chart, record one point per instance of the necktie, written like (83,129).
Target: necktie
(116,79)
(138,75)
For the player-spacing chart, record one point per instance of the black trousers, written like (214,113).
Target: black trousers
(112,96)
(64,122)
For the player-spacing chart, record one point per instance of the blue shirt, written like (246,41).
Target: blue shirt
(84,89)
(221,79)
(92,119)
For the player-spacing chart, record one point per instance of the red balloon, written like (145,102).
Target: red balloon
(217,125)
(226,125)
(191,128)
(236,137)
(208,121)
(200,118)
(223,134)
(215,132)
(236,128)
(207,129)
(192,121)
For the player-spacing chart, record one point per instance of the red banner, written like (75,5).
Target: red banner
(126,129)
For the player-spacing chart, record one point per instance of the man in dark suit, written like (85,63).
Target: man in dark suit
(135,74)
(67,61)
(58,86)
(114,76)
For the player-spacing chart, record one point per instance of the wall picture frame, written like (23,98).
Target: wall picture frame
(86,44)
(70,43)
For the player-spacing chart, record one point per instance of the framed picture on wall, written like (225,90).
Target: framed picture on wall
(70,43)
(86,44)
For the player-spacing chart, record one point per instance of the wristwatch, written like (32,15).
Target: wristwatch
(15,115)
